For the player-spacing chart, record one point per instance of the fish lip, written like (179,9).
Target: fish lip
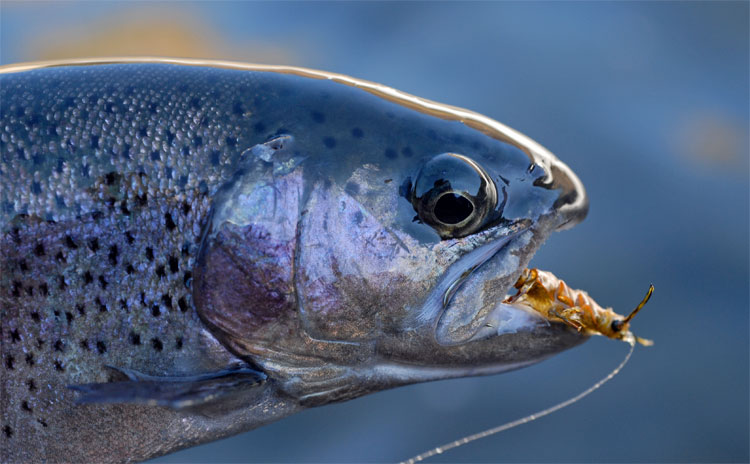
(438,304)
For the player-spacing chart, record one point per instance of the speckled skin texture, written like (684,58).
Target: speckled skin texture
(312,267)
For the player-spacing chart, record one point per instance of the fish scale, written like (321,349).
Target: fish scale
(129,309)
(189,250)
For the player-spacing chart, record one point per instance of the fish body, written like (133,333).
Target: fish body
(195,249)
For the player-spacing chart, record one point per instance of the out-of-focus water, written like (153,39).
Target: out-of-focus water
(646,101)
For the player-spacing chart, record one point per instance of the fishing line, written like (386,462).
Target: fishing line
(509,425)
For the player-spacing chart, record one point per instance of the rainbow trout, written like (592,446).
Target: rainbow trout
(194,249)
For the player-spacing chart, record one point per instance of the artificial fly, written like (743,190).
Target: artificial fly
(545,294)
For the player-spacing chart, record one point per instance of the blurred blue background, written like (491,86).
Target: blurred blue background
(646,101)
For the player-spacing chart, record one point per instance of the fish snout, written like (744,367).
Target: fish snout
(573,204)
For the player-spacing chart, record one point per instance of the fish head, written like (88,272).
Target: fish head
(379,256)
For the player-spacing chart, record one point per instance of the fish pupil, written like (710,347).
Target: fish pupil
(452,208)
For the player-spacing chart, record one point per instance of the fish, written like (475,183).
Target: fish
(192,249)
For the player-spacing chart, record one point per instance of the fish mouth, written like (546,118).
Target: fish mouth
(473,306)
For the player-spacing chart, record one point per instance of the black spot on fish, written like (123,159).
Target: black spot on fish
(39,342)
(59,366)
(84,344)
(352,188)
(60,256)
(16,289)
(357,133)
(237,108)
(178,343)
(103,282)
(166,300)
(187,278)
(155,311)
(30,290)
(129,268)
(169,136)
(215,158)
(160,272)
(35,316)
(358,217)
(15,336)
(59,345)
(94,244)
(31,384)
(231,141)
(124,208)
(168,222)
(329,142)
(102,306)
(101,347)
(110,178)
(9,362)
(69,316)
(70,243)
(15,235)
(318,117)
(129,237)
(185,150)
(390,153)
(197,141)
(44,289)
(195,103)
(113,254)
(39,249)
(149,253)
(81,309)
(7,431)
(173,264)
(157,344)
(33,120)
(25,406)
(87,278)
(42,422)
(135,338)
(186,208)
(30,359)
(141,200)
(143,131)
(182,303)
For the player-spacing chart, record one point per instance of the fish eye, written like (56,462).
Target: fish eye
(453,194)
(617,325)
